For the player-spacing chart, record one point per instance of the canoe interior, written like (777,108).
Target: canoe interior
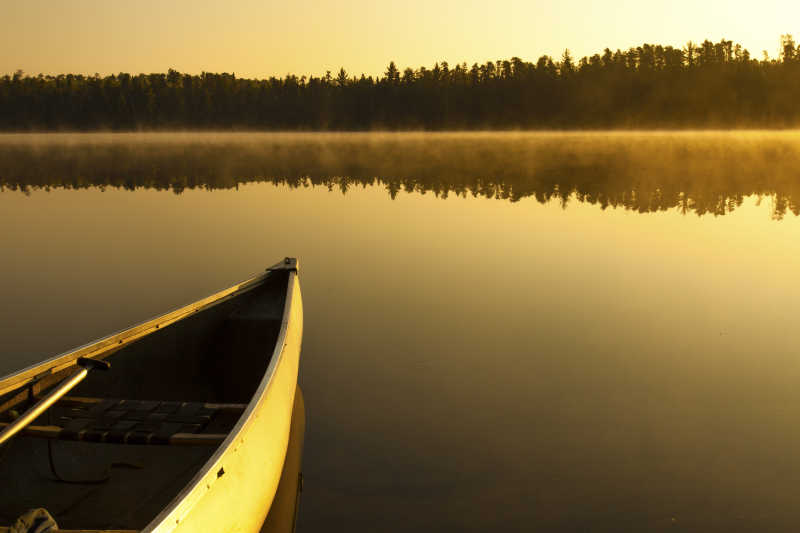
(218,355)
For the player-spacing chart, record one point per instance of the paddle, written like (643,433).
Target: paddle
(42,405)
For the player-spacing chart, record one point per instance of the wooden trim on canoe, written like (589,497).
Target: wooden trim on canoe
(107,345)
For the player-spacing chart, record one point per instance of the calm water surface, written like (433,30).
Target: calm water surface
(554,332)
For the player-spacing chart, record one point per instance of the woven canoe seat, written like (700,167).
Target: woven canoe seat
(123,421)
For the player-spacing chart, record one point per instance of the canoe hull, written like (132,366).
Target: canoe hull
(235,488)
(239,347)
(284,511)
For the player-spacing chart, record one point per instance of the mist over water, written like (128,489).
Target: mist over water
(701,172)
(506,332)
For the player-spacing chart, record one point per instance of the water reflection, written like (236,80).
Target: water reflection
(470,364)
(701,173)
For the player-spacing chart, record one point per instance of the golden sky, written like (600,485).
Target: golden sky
(258,38)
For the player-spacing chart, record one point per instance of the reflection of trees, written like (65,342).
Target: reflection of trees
(703,173)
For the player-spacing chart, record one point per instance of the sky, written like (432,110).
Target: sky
(262,38)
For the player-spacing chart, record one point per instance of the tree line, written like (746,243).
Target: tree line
(700,85)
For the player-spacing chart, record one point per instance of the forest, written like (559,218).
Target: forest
(707,85)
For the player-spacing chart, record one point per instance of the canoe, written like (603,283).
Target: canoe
(186,431)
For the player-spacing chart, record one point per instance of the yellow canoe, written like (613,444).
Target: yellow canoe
(187,431)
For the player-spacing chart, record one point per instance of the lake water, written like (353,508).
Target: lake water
(553,332)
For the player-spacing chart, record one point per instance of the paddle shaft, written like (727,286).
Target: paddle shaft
(41,406)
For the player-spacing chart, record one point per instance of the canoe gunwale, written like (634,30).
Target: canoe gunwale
(109,344)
